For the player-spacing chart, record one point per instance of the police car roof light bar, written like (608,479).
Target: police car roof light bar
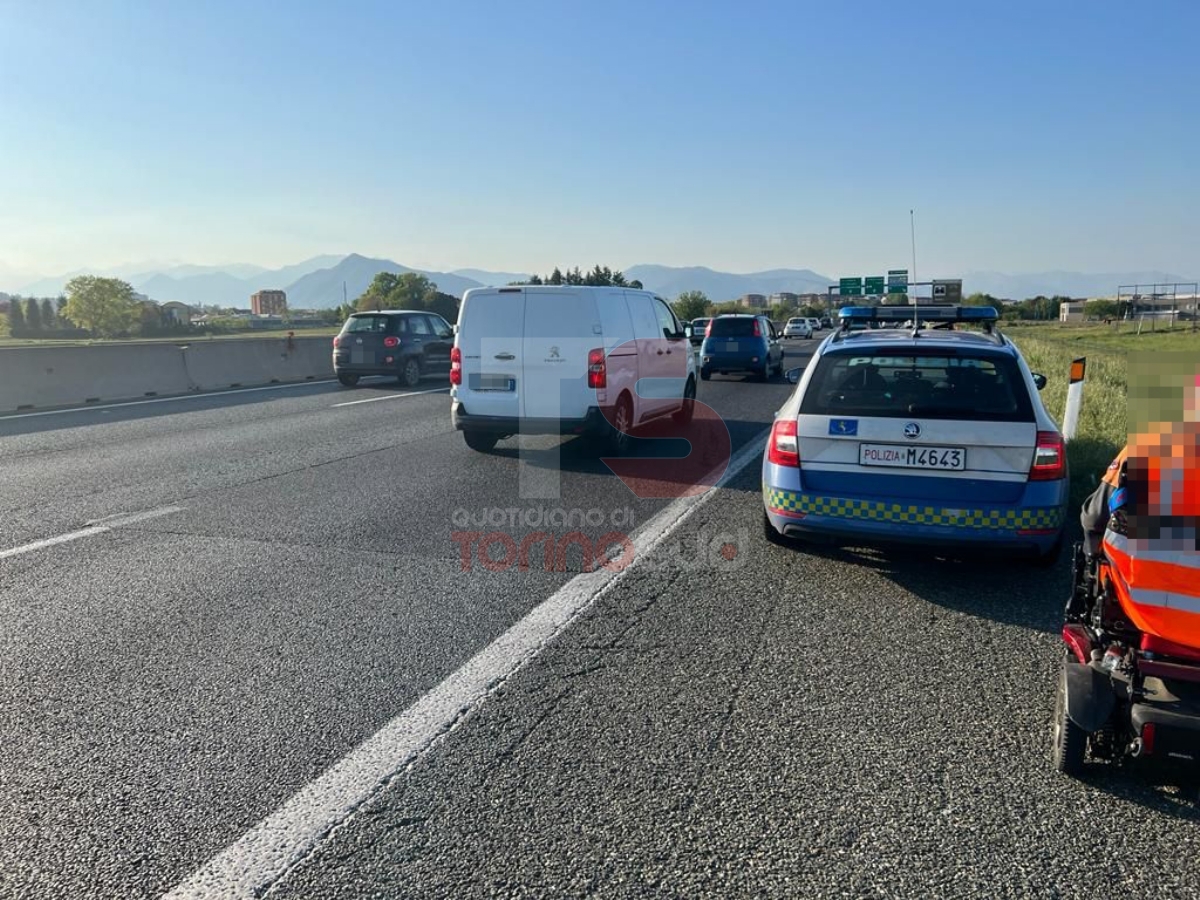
(984,315)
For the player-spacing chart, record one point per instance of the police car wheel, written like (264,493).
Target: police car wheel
(1050,558)
(773,536)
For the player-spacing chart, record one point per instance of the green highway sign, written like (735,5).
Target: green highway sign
(850,287)
(897,281)
(874,285)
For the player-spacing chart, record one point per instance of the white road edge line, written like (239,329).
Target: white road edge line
(98,527)
(266,853)
(389,397)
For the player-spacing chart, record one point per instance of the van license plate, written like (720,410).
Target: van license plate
(493,383)
(950,459)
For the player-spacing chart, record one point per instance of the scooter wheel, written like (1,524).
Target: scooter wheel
(1069,747)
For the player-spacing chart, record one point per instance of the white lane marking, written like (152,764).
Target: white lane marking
(390,397)
(99,526)
(197,396)
(267,852)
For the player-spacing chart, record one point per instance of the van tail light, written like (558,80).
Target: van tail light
(391,342)
(784,447)
(1049,458)
(455,366)
(597,369)
(757,329)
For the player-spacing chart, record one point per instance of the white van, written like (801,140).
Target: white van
(550,359)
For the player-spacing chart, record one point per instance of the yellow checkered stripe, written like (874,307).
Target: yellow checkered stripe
(907,514)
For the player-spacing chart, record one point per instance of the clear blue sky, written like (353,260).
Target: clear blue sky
(515,135)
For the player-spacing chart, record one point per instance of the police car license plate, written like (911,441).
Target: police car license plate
(953,459)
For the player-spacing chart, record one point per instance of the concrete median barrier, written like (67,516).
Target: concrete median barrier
(216,365)
(42,377)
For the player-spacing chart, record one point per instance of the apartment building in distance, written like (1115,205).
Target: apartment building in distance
(752,301)
(268,303)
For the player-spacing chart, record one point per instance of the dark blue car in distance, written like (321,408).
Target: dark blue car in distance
(741,343)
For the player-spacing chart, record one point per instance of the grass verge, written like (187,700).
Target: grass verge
(1104,414)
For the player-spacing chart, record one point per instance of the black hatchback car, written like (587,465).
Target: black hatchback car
(404,343)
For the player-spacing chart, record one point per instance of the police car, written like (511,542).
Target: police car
(925,434)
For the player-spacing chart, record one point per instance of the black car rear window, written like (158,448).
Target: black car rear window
(374,325)
(929,384)
(732,327)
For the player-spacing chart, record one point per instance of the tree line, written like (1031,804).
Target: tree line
(408,290)
(31,315)
(599,276)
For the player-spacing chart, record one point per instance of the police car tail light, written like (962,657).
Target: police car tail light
(455,366)
(784,449)
(597,369)
(1050,457)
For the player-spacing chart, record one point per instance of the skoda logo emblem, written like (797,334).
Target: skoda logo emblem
(912,430)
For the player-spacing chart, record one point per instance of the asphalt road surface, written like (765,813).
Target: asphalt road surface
(234,613)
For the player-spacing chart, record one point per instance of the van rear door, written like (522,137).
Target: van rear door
(561,327)
(489,339)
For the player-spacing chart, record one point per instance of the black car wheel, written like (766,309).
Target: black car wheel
(410,375)
(480,441)
(764,373)
(705,374)
(347,379)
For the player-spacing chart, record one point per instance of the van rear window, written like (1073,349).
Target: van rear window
(732,327)
(987,388)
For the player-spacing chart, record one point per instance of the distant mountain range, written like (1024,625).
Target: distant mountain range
(317,283)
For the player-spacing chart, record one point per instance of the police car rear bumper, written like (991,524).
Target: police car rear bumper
(1011,531)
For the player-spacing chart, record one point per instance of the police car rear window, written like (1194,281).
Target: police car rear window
(732,327)
(919,384)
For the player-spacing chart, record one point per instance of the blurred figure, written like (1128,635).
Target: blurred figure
(1144,516)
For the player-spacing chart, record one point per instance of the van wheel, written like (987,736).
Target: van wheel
(684,416)
(620,424)
(347,379)
(480,441)
(410,375)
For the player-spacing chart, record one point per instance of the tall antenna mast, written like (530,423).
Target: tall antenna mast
(912,227)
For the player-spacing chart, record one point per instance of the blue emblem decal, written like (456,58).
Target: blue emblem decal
(847,427)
